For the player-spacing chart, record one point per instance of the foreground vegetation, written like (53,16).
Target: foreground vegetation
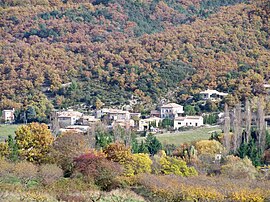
(36,166)
(145,187)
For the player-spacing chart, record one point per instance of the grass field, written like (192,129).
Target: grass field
(186,136)
(6,130)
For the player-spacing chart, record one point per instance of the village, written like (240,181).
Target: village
(167,117)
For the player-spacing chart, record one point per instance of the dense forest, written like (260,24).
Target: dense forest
(57,53)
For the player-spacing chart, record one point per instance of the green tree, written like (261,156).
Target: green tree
(153,144)
(189,110)
(143,148)
(13,149)
(103,136)
(134,146)
(31,114)
(211,106)
(251,150)
(166,123)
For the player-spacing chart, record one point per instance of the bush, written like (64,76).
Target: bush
(236,168)
(5,168)
(141,163)
(3,149)
(74,184)
(121,154)
(173,189)
(209,147)
(97,168)
(114,195)
(118,152)
(133,163)
(171,165)
(49,173)
(201,188)
(25,171)
(26,196)
(66,147)
(206,164)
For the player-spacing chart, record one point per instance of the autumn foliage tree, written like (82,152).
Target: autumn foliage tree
(34,141)
(94,166)
(122,49)
(167,165)
(210,147)
(133,163)
(66,147)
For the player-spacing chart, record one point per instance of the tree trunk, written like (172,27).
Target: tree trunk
(227,141)
(261,124)
(237,127)
(248,118)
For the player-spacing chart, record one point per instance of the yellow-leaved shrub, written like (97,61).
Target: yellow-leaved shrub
(3,149)
(133,163)
(209,147)
(141,163)
(172,165)
(237,168)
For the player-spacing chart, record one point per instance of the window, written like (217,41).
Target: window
(190,123)
(196,124)
(179,123)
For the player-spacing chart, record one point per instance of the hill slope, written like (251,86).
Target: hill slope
(116,49)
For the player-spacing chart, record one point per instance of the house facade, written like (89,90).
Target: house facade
(127,124)
(8,115)
(116,114)
(191,121)
(171,111)
(212,95)
(113,114)
(135,115)
(155,113)
(145,124)
(87,120)
(67,118)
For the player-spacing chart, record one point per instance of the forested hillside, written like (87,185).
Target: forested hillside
(113,49)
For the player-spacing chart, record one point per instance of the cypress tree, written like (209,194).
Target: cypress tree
(13,149)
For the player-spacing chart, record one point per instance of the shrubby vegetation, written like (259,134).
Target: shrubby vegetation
(71,167)
(171,188)
(63,53)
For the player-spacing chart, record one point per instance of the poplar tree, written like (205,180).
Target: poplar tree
(226,128)
(261,124)
(237,127)
(248,118)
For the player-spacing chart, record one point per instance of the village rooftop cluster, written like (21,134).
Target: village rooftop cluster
(75,120)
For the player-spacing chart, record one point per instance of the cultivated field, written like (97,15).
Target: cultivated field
(6,130)
(178,138)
